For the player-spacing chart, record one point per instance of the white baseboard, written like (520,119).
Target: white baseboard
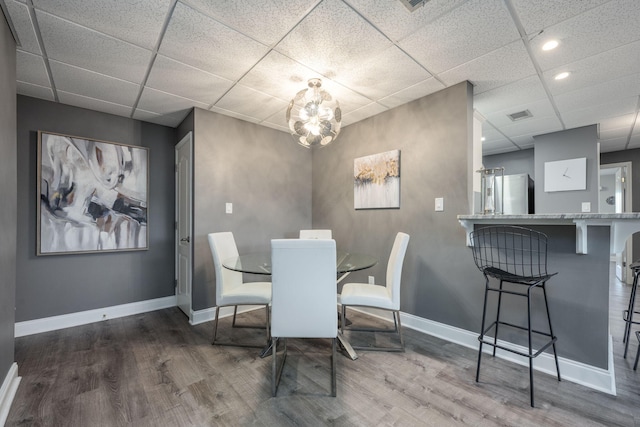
(53,323)
(8,392)
(603,380)
(208,314)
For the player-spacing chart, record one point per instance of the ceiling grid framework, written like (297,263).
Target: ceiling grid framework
(154,60)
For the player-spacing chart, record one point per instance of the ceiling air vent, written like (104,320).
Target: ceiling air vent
(520,115)
(412,5)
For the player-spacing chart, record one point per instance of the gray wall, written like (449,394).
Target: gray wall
(567,144)
(439,281)
(263,172)
(61,284)
(8,212)
(514,162)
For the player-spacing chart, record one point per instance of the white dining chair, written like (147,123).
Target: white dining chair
(377,296)
(315,234)
(304,297)
(231,290)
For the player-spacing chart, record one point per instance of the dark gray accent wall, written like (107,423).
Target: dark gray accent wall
(263,172)
(8,212)
(562,145)
(61,284)
(514,162)
(439,281)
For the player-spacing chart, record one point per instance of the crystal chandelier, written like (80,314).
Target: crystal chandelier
(314,116)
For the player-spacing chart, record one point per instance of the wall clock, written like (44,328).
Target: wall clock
(565,175)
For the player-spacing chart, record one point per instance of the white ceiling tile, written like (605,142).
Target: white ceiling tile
(93,85)
(24,26)
(277,121)
(525,141)
(72,44)
(137,22)
(235,114)
(387,71)
(251,103)
(35,91)
(183,80)
(412,93)
(594,113)
(610,65)
(605,134)
(536,15)
(497,146)
(159,102)
(332,40)
(615,144)
(540,108)
(30,68)
(626,121)
(613,24)
(93,104)
(469,31)
(171,120)
(498,68)
(395,20)
(635,141)
(610,90)
(249,18)
(204,43)
(509,96)
(362,113)
(537,125)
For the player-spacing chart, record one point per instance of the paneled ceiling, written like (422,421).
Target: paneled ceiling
(153,60)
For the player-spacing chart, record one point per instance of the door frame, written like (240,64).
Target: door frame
(186,140)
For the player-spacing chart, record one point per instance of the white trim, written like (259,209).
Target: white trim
(30,327)
(208,314)
(603,380)
(8,392)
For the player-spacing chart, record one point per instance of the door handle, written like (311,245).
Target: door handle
(185,239)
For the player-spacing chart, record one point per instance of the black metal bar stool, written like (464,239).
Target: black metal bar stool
(517,256)
(627,315)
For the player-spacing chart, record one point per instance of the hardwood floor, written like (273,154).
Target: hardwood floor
(155,369)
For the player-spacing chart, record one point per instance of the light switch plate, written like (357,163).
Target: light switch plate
(586,206)
(228,208)
(439,204)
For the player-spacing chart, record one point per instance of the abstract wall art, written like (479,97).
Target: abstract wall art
(92,195)
(376,182)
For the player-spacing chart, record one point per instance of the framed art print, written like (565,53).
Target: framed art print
(92,195)
(376,181)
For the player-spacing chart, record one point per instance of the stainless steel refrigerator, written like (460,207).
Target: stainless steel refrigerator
(518,194)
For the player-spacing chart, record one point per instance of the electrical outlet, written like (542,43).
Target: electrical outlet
(439,204)
(228,208)
(372,280)
(586,206)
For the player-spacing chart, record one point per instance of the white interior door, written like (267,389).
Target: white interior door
(615,197)
(184,241)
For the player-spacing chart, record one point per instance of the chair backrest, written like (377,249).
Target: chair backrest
(304,300)
(223,246)
(514,250)
(394,267)
(315,234)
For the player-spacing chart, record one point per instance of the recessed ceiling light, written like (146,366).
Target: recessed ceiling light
(550,45)
(561,76)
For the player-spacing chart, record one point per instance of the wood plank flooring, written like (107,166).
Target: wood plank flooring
(155,369)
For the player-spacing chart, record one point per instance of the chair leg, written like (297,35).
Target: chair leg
(399,328)
(481,336)
(268,325)
(629,320)
(274,368)
(215,325)
(635,365)
(333,366)
(495,336)
(546,304)
(343,318)
(530,344)
(235,312)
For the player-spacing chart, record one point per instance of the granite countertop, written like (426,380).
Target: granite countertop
(552,216)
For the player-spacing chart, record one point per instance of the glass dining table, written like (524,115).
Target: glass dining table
(346,263)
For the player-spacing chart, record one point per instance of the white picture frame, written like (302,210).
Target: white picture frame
(565,175)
